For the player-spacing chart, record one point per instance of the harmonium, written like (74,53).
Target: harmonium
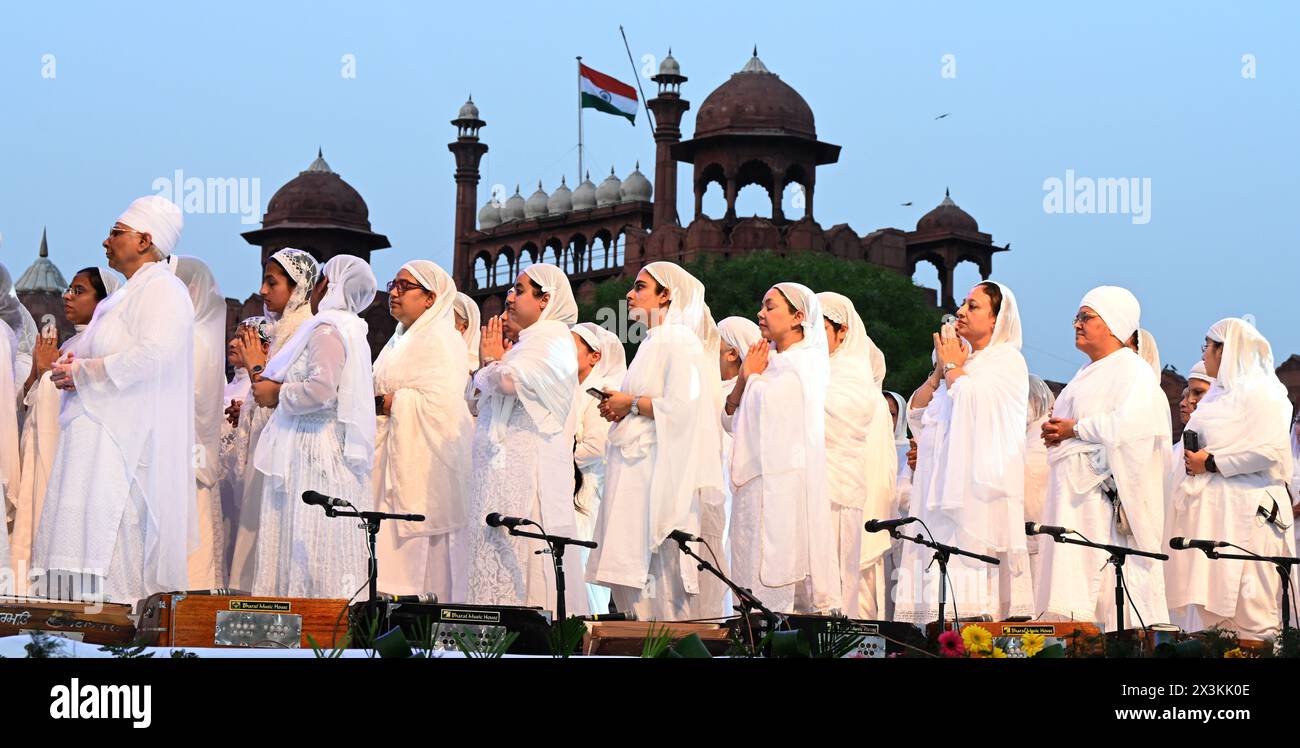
(628,638)
(446,626)
(189,619)
(93,623)
(869,639)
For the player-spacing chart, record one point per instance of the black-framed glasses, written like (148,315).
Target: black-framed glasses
(403,286)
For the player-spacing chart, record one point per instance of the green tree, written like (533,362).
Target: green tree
(898,316)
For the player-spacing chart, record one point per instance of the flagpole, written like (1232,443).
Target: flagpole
(579,178)
(636,76)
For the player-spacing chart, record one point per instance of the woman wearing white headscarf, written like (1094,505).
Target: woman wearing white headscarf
(468,324)
(739,335)
(40,431)
(782,535)
(1108,454)
(902,496)
(1041,400)
(665,449)
(522,448)
(861,461)
(1144,345)
(1234,489)
(19,321)
(288,279)
(968,487)
(207,567)
(321,438)
(11,314)
(602,364)
(236,391)
(423,437)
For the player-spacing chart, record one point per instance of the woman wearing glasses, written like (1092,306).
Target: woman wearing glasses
(423,434)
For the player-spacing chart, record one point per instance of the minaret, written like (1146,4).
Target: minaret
(468,152)
(668,108)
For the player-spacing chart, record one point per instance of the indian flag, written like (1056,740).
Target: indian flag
(599,91)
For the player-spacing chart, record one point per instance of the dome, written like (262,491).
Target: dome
(755,101)
(947,217)
(468,110)
(42,276)
(561,200)
(669,65)
(317,196)
(610,190)
(514,207)
(584,198)
(489,216)
(537,203)
(636,186)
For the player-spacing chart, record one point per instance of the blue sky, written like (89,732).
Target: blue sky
(1107,90)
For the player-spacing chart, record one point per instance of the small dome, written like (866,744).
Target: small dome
(468,110)
(317,196)
(42,276)
(947,217)
(669,66)
(561,200)
(755,100)
(584,198)
(610,190)
(537,202)
(514,207)
(489,216)
(636,186)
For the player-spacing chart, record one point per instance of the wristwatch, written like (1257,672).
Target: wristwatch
(635,410)
(1210,467)
(949,367)
(255,373)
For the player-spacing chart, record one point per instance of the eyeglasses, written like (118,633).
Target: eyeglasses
(75,291)
(115,231)
(1084,318)
(403,286)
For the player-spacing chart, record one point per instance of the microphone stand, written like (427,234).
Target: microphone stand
(372,520)
(748,602)
(941,554)
(557,544)
(1118,554)
(1283,565)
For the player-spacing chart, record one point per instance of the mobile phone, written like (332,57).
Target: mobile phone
(1191,441)
(597,393)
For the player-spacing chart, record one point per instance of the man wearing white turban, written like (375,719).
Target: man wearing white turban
(524,391)
(664,454)
(968,486)
(1108,451)
(321,437)
(602,364)
(1233,489)
(782,538)
(423,438)
(119,510)
(861,461)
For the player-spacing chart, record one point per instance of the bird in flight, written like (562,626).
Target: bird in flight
(945,114)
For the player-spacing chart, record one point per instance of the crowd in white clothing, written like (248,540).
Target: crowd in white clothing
(130,465)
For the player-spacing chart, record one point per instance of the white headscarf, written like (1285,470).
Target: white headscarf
(1117,307)
(209,360)
(1040,399)
(303,270)
(158,217)
(900,428)
(15,315)
(687,307)
(426,435)
(467,310)
(612,365)
(1149,351)
(352,288)
(562,306)
(739,334)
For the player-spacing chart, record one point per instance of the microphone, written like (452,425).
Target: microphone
(681,536)
(1033,528)
(1183,544)
(424,598)
(497,520)
(320,499)
(876,525)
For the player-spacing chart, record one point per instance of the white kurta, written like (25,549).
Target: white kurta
(590,437)
(656,469)
(119,507)
(10,456)
(39,440)
(968,490)
(1036,474)
(300,551)
(1122,433)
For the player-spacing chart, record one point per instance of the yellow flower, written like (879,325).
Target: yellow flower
(1234,654)
(977,640)
(1032,644)
(998,654)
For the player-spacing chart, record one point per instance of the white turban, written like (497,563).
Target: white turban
(1117,307)
(562,306)
(158,217)
(1198,372)
(613,358)
(739,333)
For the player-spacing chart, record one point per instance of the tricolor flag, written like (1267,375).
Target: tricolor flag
(599,91)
